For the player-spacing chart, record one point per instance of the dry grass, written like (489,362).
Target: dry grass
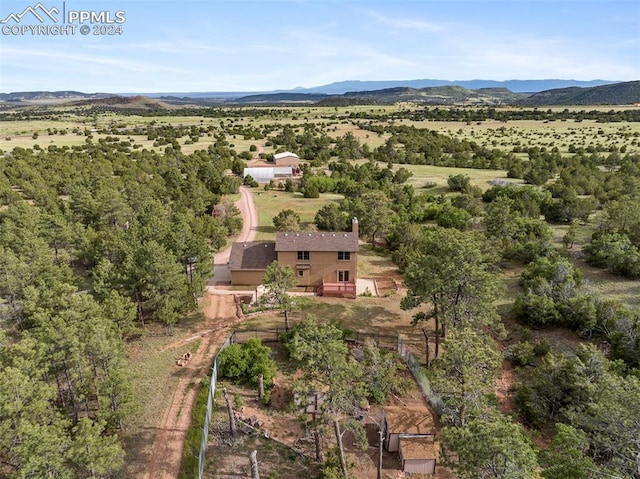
(426,174)
(373,315)
(531,133)
(155,376)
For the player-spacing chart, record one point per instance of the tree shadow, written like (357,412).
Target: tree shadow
(266,229)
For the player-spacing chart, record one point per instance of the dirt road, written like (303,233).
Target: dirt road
(220,317)
(248,233)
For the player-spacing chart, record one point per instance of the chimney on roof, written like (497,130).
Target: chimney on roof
(354,226)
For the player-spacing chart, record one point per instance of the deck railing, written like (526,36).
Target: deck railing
(336,289)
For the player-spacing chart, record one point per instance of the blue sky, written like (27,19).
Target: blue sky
(213,45)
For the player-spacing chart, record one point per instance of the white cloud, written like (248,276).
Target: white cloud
(404,23)
(84,59)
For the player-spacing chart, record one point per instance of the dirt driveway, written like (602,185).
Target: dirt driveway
(248,233)
(220,317)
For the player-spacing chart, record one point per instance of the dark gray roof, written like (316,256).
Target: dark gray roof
(317,241)
(252,255)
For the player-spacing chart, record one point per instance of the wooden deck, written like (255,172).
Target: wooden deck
(337,290)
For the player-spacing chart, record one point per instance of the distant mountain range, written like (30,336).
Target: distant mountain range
(516,86)
(50,95)
(342,87)
(433,95)
(624,93)
(607,93)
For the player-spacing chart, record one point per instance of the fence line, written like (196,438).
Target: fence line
(392,342)
(273,335)
(207,417)
(420,376)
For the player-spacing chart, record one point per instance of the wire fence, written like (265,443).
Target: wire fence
(358,337)
(420,376)
(207,417)
(392,342)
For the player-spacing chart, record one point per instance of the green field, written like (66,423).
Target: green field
(270,203)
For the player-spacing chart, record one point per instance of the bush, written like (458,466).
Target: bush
(311,191)
(542,347)
(245,362)
(536,310)
(233,362)
(531,409)
(616,253)
(289,186)
(451,217)
(459,182)
(522,354)
(249,181)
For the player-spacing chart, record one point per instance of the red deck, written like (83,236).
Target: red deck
(339,290)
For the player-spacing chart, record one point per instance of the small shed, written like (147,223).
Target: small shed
(408,423)
(286,158)
(418,455)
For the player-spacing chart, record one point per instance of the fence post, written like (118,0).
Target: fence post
(210,398)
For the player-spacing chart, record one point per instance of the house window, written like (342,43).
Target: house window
(301,272)
(344,255)
(303,256)
(343,276)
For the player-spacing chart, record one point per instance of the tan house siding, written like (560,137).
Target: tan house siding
(247,278)
(328,261)
(321,267)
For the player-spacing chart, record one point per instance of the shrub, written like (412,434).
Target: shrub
(542,347)
(458,182)
(522,354)
(245,362)
(615,252)
(451,217)
(249,181)
(531,409)
(311,191)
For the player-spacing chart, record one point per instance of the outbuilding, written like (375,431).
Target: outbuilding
(418,455)
(411,433)
(264,174)
(286,158)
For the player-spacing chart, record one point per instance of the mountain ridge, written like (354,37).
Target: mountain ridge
(338,88)
(609,94)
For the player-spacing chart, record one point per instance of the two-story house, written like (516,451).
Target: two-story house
(326,261)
